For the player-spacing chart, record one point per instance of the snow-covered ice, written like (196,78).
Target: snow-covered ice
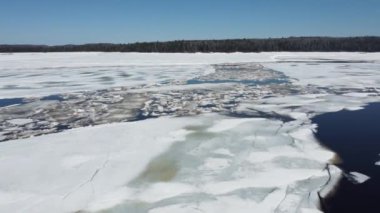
(269,162)
(41,74)
(66,171)
(119,167)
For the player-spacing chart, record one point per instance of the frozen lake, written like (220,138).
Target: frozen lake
(134,132)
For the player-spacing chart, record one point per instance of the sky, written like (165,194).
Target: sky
(124,21)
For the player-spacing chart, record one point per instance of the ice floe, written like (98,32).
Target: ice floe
(165,164)
(64,172)
(358,178)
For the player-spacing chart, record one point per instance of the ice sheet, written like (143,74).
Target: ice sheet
(207,163)
(165,164)
(40,74)
(64,172)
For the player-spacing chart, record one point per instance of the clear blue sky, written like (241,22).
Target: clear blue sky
(123,21)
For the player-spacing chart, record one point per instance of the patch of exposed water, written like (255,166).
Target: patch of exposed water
(355,137)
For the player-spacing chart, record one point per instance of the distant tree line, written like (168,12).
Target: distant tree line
(306,44)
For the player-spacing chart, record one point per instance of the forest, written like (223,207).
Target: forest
(295,44)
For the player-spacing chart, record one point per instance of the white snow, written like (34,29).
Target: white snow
(332,75)
(223,151)
(20,121)
(227,124)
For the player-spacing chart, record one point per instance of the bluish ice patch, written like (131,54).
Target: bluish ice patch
(52,98)
(11,101)
(19,101)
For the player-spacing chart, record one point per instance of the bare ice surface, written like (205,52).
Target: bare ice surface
(132,132)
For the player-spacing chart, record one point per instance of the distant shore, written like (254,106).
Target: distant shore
(290,44)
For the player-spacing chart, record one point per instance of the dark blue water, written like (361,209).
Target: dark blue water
(10,101)
(18,101)
(355,137)
(52,98)
(260,114)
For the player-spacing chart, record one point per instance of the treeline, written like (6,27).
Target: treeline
(306,44)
